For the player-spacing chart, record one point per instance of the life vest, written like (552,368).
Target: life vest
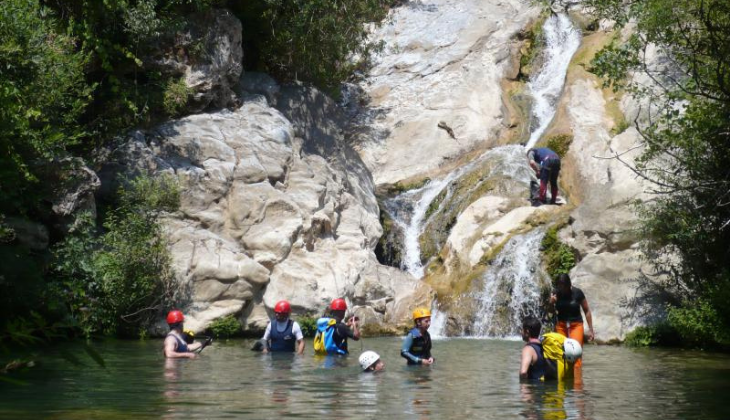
(537,371)
(421,346)
(324,340)
(182,346)
(284,340)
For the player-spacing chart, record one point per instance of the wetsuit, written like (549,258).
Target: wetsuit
(341,334)
(283,335)
(570,319)
(182,346)
(416,346)
(549,163)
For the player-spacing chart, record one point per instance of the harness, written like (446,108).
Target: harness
(182,346)
(537,371)
(421,346)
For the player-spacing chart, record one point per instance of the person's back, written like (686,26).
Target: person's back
(332,333)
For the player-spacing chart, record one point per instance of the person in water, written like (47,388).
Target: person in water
(334,332)
(532,364)
(546,164)
(176,346)
(417,344)
(568,301)
(370,362)
(283,334)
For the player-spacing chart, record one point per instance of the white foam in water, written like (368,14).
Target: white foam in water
(438,323)
(562,40)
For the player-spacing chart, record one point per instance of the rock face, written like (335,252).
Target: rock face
(269,215)
(442,65)
(207,54)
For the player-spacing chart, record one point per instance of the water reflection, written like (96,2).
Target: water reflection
(554,400)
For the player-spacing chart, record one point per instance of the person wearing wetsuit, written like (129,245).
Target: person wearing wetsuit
(343,330)
(533,364)
(568,301)
(416,348)
(546,164)
(283,334)
(175,345)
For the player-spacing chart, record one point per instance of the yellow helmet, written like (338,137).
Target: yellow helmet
(421,313)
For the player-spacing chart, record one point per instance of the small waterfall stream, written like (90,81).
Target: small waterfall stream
(510,287)
(562,40)
(510,291)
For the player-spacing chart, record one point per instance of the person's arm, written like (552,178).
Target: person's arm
(352,323)
(265,339)
(528,358)
(171,350)
(405,350)
(299,336)
(195,346)
(589,318)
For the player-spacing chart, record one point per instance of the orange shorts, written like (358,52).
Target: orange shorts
(575,331)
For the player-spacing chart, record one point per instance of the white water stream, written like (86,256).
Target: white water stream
(562,40)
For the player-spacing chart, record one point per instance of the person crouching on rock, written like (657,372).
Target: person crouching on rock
(417,344)
(176,346)
(283,334)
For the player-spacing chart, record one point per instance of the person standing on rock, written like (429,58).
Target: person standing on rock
(416,346)
(332,333)
(568,301)
(175,345)
(283,334)
(546,164)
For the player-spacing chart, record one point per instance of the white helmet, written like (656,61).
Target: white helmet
(367,358)
(572,350)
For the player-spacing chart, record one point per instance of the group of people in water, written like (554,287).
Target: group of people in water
(285,335)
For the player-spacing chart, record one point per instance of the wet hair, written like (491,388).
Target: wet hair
(532,325)
(563,279)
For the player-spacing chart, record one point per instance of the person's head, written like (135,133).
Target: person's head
(370,361)
(338,307)
(531,327)
(175,319)
(562,283)
(422,318)
(282,310)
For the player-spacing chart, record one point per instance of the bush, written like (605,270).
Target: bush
(661,334)
(116,283)
(225,327)
(558,257)
(559,144)
(698,325)
(308,325)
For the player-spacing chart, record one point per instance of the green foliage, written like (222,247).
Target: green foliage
(308,325)
(43,93)
(559,144)
(118,282)
(558,257)
(685,150)
(662,334)
(698,324)
(225,327)
(176,96)
(318,41)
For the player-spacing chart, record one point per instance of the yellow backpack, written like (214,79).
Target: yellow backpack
(552,350)
(323,340)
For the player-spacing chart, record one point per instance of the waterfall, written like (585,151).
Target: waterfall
(409,209)
(511,290)
(562,40)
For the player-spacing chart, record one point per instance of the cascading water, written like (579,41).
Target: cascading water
(510,287)
(510,290)
(409,209)
(562,40)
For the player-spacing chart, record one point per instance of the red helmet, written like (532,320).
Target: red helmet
(338,305)
(283,307)
(175,316)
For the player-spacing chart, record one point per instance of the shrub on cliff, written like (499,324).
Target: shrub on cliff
(119,281)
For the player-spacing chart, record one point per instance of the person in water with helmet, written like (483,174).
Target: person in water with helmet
(370,361)
(333,332)
(417,344)
(283,334)
(532,365)
(568,301)
(546,164)
(176,345)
